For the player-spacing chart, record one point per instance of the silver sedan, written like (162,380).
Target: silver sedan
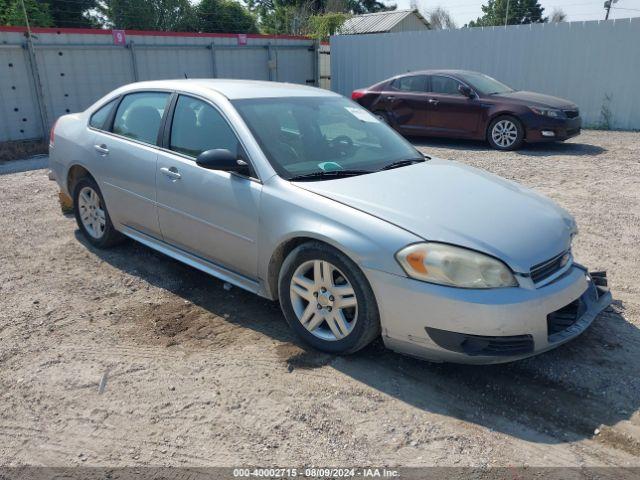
(300,195)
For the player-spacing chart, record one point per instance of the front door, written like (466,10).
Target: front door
(450,113)
(208,213)
(127,161)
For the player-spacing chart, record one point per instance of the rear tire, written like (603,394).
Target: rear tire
(326,299)
(505,133)
(382,116)
(92,216)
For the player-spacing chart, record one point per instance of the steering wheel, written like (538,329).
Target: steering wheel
(343,145)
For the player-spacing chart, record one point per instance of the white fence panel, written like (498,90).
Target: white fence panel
(594,64)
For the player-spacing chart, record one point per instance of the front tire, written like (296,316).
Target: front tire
(326,299)
(92,216)
(505,133)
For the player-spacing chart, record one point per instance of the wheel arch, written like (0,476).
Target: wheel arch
(74,174)
(283,249)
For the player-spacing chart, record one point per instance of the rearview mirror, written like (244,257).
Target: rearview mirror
(223,160)
(466,91)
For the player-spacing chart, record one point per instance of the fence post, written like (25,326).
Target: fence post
(134,64)
(271,63)
(316,62)
(214,69)
(35,76)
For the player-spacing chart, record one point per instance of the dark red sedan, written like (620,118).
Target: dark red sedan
(463,104)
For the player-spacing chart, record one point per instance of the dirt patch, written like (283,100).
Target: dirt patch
(24,149)
(125,357)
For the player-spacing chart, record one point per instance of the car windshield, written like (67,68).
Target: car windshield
(310,136)
(485,84)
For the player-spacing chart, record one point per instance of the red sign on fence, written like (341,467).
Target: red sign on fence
(119,38)
(242,39)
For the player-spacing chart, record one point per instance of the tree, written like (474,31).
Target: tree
(558,16)
(163,15)
(293,16)
(323,26)
(519,12)
(225,16)
(11,13)
(72,14)
(440,19)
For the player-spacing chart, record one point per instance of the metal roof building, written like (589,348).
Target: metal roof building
(384,22)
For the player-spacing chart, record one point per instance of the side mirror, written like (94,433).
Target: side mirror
(466,91)
(223,160)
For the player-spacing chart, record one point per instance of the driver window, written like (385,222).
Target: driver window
(444,85)
(197,127)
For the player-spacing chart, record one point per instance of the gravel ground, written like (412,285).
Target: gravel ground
(125,357)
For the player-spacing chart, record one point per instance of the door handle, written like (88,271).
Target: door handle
(171,173)
(101,149)
(433,101)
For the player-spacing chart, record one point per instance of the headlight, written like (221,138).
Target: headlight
(547,112)
(454,266)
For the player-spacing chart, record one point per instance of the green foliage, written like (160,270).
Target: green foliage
(226,16)
(294,16)
(72,14)
(11,13)
(520,12)
(164,15)
(323,26)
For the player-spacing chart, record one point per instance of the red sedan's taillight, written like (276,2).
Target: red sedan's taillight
(52,133)
(356,94)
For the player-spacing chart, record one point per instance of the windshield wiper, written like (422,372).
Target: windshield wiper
(404,163)
(328,175)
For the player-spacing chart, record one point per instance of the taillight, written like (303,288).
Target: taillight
(51,133)
(356,94)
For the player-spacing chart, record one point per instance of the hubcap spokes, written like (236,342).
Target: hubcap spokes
(91,212)
(323,299)
(504,133)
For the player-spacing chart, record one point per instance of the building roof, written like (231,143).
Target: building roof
(380,22)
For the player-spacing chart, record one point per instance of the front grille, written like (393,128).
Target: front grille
(475,345)
(562,319)
(572,113)
(544,270)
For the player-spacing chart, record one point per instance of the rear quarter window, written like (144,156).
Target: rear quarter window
(100,116)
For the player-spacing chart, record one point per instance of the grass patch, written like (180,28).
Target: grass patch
(22,149)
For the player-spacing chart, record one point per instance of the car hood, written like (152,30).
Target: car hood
(536,99)
(449,202)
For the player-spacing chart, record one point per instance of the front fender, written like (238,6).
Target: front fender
(289,213)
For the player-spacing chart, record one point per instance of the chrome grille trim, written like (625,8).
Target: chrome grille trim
(546,272)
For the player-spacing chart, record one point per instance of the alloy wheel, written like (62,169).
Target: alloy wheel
(323,300)
(504,133)
(92,214)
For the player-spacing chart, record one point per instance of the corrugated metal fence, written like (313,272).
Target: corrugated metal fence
(76,67)
(594,64)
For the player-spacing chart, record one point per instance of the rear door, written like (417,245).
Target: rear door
(208,213)
(127,156)
(450,113)
(405,104)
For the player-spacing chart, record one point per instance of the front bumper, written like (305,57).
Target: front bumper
(447,324)
(543,129)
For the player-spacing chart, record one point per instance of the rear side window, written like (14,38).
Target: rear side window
(445,85)
(413,83)
(197,127)
(99,118)
(139,116)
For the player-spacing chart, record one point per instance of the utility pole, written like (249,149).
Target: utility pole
(607,5)
(33,61)
(506,15)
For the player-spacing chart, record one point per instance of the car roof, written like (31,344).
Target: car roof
(234,89)
(437,72)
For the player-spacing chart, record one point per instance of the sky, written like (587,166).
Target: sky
(577,10)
